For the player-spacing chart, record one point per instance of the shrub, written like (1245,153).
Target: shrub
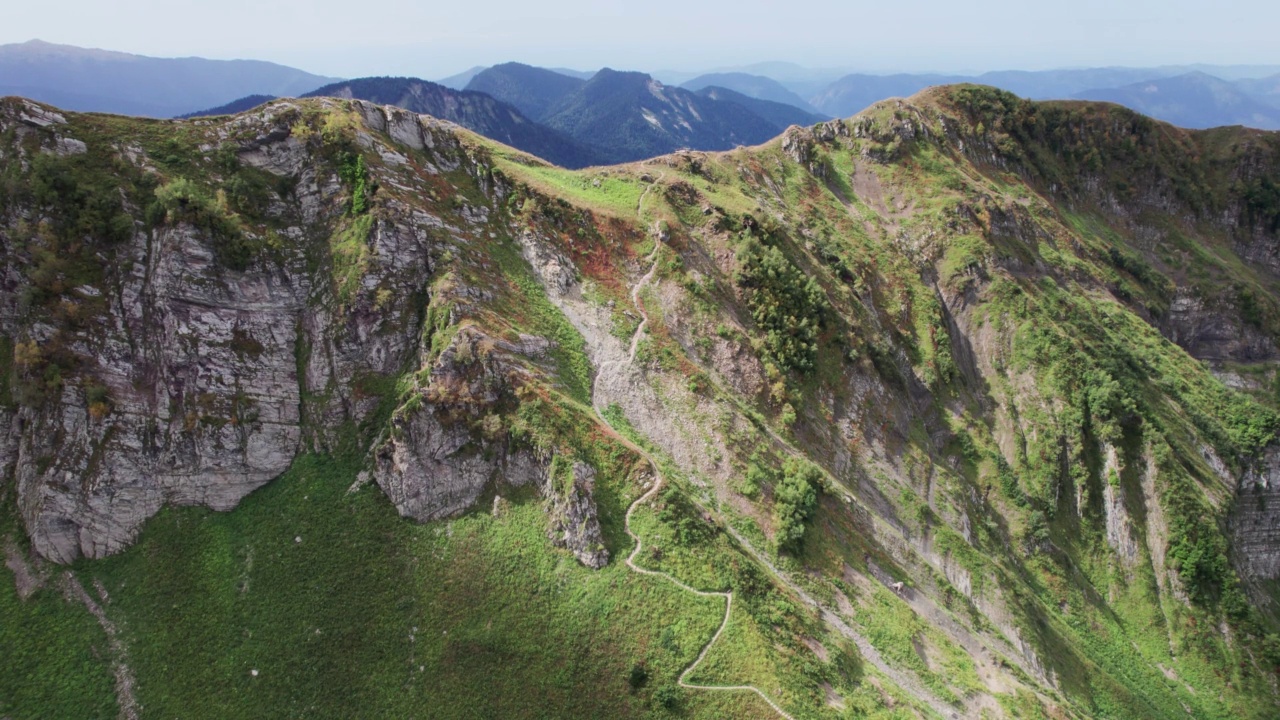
(794,499)
(787,306)
(184,201)
(757,476)
(352,171)
(668,696)
(684,518)
(639,676)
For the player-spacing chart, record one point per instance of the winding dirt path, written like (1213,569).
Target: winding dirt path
(903,679)
(728,600)
(659,482)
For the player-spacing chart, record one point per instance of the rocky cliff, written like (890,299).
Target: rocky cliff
(178,374)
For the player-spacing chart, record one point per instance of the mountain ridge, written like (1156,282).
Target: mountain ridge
(755,86)
(1194,100)
(629,116)
(930,390)
(476,111)
(781,115)
(531,89)
(109,81)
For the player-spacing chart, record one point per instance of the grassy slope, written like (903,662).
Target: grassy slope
(55,655)
(1070,333)
(371,615)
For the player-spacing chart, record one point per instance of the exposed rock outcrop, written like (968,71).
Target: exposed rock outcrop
(574,524)
(1119,525)
(194,383)
(435,464)
(1255,518)
(1210,333)
(203,401)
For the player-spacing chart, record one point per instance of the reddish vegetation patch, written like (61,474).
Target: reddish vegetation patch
(602,255)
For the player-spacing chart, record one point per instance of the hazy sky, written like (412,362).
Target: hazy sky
(433,39)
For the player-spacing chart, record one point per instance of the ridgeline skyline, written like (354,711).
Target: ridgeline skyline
(437,41)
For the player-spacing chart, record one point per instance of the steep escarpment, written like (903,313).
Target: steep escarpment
(946,397)
(254,291)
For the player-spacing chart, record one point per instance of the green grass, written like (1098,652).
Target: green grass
(349,250)
(608,191)
(54,657)
(374,616)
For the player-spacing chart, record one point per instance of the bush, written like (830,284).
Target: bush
(794,499)
(352,171)
(757,476)
(787,306)
(668,696)
(685,519)
(639,677)
(184,201)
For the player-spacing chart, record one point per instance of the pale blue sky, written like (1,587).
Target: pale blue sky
(433,39)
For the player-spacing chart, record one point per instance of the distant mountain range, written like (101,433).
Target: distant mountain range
(475,111)
(534,90)
(234,107)
(1265,90)
(629,116)
(1194,96)
(782,115)
(756,86)
(576,118)
(613,117)
(103,81)
(1194,100)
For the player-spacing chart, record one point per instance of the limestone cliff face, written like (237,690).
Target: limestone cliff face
(194,383)
(1214,331)
(202,380)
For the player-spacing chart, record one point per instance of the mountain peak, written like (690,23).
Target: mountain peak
(89,79)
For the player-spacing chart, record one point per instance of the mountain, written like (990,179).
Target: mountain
(1265,90)
(803,81)
(629,116)
(962,407)
(755,86)
(234,107)
(1194,100)
(103,81)
(781,115)
(1221,104)
(854,93)
(580,74)
(1062,84)
(459,81)
(534,91)
(1231,73)
(475,111)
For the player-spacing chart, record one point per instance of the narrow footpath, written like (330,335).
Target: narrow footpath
(905,680)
